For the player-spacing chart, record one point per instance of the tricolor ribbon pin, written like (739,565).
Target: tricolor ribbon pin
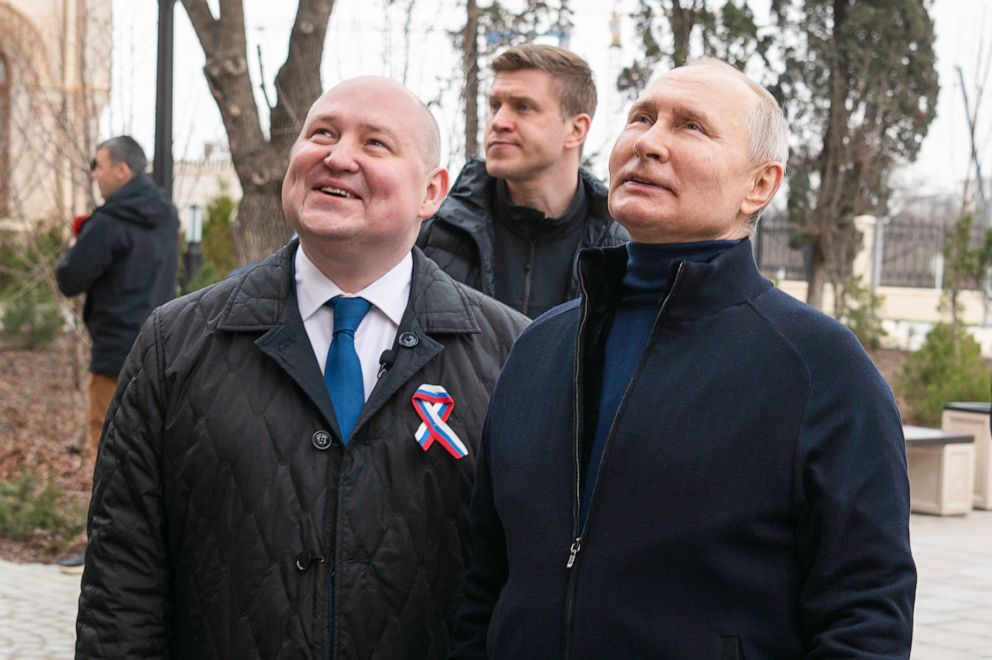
(433,405)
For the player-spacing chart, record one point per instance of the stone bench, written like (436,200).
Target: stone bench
(941,470)
(972,418)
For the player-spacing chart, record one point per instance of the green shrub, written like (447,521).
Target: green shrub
(27,508)
(207,274)
(218,243)
(32,319)
(860,312)
(946,368)
(31,316)
(219,256)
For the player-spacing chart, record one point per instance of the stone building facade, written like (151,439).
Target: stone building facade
(55,65)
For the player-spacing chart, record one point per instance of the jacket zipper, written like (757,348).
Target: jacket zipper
(578,534)
(528,270)
(576,545)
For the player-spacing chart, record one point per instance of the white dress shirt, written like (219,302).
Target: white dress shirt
(377,331)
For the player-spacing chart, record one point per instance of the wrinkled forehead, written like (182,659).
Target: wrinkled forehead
(714,89)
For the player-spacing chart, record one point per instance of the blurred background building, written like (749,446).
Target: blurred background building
(55,65)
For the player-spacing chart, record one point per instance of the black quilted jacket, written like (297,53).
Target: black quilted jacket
(223,500)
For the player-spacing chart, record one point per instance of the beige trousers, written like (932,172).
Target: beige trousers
(101,392)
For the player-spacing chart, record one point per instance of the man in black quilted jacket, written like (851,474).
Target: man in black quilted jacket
(289,454)
(514,223)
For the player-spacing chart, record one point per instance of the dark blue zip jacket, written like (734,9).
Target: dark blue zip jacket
(752,500)
(125,262)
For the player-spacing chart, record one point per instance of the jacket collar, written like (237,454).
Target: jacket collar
(471,200)
(263,296)
(469,208)
(732,278)
(263,301)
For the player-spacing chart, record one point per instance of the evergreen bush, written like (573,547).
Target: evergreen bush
(946,368)
(219,256)
(860,312)
(31,315)
(29,509)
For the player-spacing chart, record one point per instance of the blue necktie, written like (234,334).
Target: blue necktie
(343,371)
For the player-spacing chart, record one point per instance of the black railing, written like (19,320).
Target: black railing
(774,256)
(912,254)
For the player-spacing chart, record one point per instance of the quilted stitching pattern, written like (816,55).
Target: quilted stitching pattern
(209,487)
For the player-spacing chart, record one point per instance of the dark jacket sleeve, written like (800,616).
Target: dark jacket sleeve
(126,582)
(487,572)
(853,534)
(99,245)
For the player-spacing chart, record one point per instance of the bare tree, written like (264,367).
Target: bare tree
(260,162)
(56,96)
(470,64)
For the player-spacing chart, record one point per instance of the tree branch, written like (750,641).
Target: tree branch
(204,23)
(298,81)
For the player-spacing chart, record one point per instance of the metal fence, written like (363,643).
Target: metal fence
(912,254)
(774,256)
(908,254)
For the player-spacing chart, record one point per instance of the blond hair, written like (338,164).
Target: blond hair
(570,74)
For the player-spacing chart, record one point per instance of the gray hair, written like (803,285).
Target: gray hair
(768,132)
(124,149)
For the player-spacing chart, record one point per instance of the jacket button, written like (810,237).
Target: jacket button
(303,561)
(409,340)
(322,440)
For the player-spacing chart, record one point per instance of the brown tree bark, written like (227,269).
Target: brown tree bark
(682,19)
(470,62)
(825,249)
(259,162)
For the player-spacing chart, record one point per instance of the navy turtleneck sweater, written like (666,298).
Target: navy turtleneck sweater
(644,286)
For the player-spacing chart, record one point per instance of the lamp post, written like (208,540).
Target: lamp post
(193,257)
(162,167)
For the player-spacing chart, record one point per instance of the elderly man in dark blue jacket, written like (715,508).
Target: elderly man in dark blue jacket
(688,463)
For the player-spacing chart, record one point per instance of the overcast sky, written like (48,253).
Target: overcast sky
(364,38)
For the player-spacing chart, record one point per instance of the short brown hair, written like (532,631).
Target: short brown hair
(571,74)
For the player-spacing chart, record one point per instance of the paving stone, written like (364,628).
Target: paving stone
(953,607)
(929,652)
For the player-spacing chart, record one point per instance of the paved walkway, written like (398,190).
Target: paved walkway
(953,602)
(37,611)
(954,594)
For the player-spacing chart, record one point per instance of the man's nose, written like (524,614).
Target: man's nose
(499,120)
(341,155)
(653,144)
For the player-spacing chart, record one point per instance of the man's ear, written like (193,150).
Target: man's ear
(437,188)
(124,172)
(578,130)
(764,183)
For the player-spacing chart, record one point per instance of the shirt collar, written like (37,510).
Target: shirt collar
(389,293)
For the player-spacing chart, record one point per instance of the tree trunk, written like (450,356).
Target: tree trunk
(682,20)
(817,278)
(828,199)
(269,230)
(470,63)
(259,162)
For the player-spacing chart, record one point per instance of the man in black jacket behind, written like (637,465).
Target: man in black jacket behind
(290,453)
(124,261)
(513,223)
